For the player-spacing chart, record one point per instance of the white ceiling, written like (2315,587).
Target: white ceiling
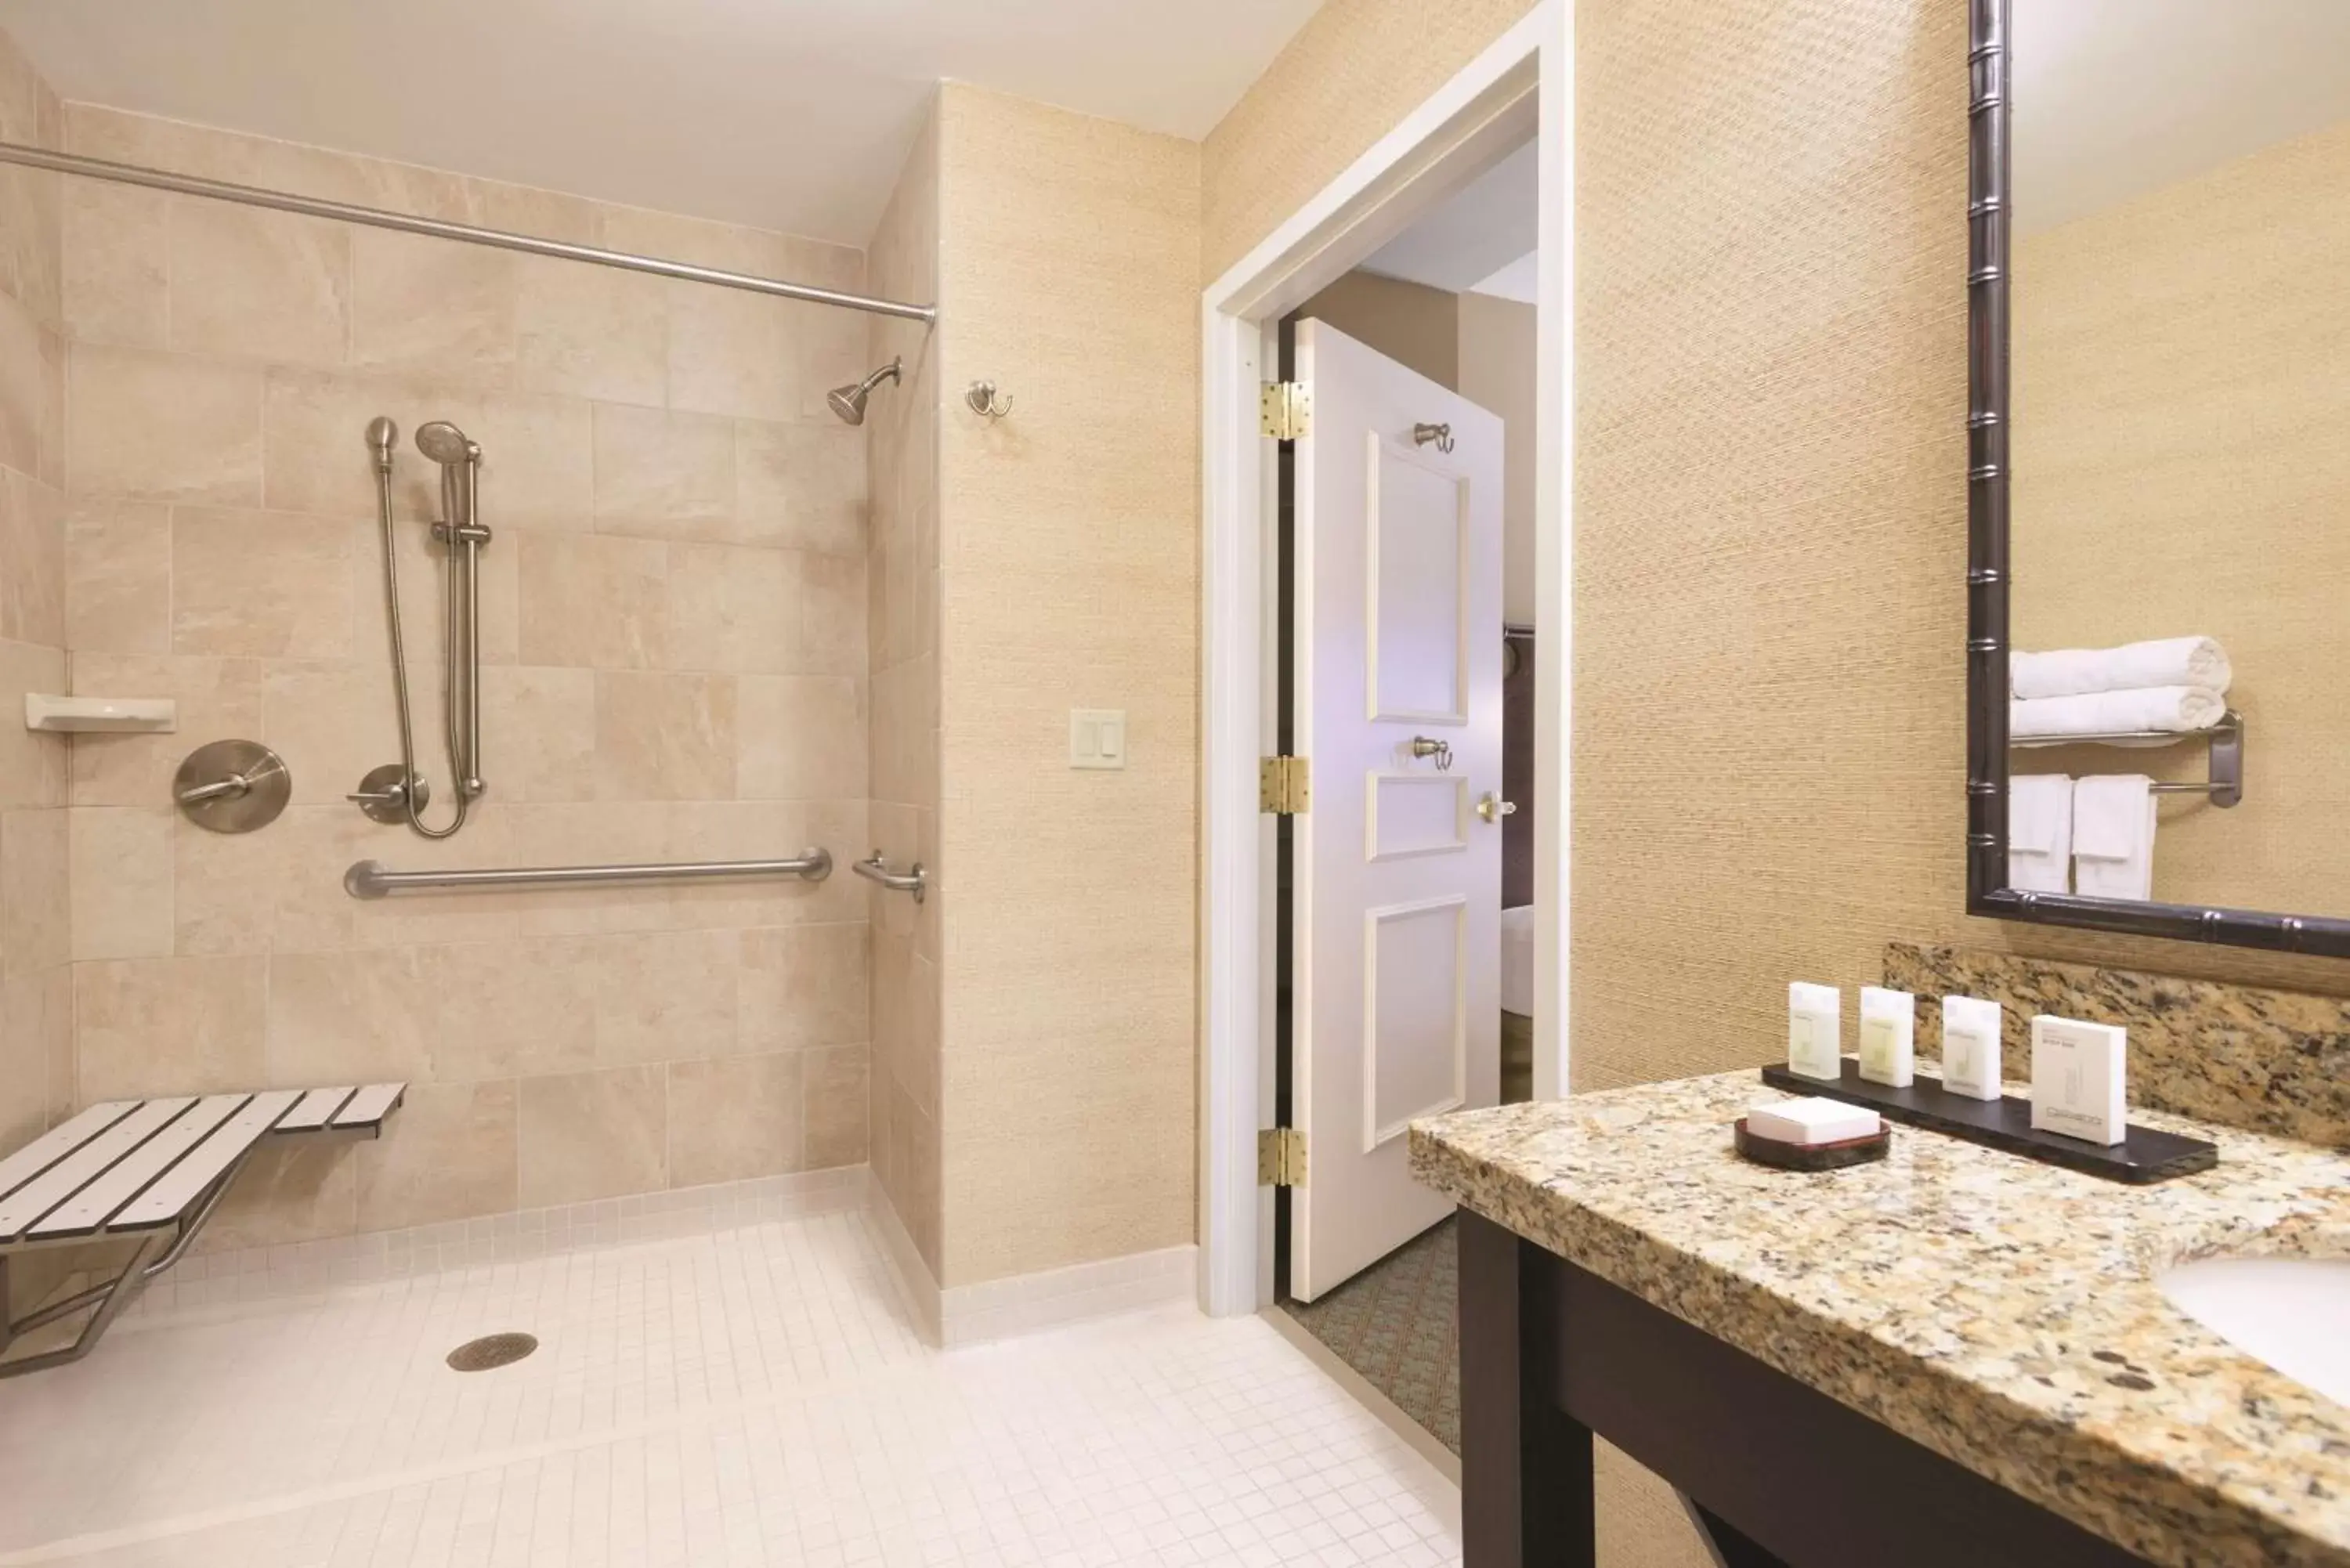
(1484,234)
(786,114)
(2115,97)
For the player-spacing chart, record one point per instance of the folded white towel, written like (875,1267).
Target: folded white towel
(2112,836)
(2165,661)
(2166,708)
(2039,832)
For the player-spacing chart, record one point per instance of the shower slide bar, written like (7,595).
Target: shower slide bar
(371,879)
(530,244)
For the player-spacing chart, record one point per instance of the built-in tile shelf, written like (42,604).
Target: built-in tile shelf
(104,715)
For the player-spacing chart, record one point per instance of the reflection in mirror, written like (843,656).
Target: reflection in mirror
(2180,452)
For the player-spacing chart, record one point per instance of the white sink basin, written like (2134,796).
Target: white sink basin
(2290,1313)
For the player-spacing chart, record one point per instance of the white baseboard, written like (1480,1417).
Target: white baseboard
(969,1314)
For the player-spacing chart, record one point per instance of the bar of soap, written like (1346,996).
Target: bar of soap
(1811,1121)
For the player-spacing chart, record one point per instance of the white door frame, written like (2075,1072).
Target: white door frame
(1522,83)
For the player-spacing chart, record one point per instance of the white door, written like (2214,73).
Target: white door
(1397,873)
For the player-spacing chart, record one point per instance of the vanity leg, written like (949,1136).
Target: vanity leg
(1525,1468)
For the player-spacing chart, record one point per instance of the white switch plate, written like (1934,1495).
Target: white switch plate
(1097,737)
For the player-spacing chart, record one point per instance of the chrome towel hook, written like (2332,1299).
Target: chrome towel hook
(1441,434)
(985,402)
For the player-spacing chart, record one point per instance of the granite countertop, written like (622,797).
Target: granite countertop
(2001,1311)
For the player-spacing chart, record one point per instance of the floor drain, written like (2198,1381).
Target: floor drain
(492,1350)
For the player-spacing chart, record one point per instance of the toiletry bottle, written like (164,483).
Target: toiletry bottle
(2077,1079)
(1888,1037)
(1970,1041)
(1814,1030)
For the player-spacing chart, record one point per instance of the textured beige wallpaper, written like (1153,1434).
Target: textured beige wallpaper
(1069,549)
(2182,465)
(1353,71)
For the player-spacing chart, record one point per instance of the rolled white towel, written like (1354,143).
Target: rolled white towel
(2163,708)
(2167,661)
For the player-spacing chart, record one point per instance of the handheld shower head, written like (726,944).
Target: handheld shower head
(441,441)
(848,402)
(382,435)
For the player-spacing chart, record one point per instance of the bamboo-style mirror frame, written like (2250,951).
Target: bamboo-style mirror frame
(1989,223)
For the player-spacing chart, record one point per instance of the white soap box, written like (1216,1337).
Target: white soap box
(2078,1078)
(1816,1120)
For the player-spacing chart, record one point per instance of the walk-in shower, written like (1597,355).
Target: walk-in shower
(395,792)
(850,401)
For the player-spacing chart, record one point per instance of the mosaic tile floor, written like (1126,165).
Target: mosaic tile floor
(757,1397)
(1397,1324)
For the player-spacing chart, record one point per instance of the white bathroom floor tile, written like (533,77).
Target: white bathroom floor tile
(755,1398)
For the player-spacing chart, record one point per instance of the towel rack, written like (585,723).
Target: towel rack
(370,879)
(2224,781)
(874,869)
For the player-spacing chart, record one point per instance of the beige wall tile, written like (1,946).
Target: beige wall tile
(593,1134)
(833,636)
(260,583)
(119,576)
(664,736)
(169,1026)
(279,890)
(117,262)
(251,283)
(836,1114)
(700,241)
(220,697)
(449,1153)
(526,209)
(543,721)
(34,876)
(663,475)
(288,1191)
(433,305)
(513,1009)
(737,609)
(665,996)
(806,985)
(350,1017)
(581,835)
(161,428)
(593,602)
(536,457)
(729,353)
(757,829)
(335,720)
(32,765)
(801,738)
(591,332)
(32,562)
(24,393)
(801,486)
(734,1119)
(122,878)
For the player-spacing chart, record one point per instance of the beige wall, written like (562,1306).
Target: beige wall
(675,629)
(902,262)
(1498,339)
(1070,540)
(35,983)
(2181,393)
(1353,71)
(1416,326)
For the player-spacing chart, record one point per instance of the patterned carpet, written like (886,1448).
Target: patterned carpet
(1397,1324)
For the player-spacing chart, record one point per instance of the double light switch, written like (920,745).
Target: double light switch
(1097,737)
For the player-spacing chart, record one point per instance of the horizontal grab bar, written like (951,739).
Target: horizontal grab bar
(876,869)
(369,880)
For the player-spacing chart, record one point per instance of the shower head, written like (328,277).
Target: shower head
(444,443)
(382,435)
(848,402)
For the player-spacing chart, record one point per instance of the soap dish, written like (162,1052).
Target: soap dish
(1834,1156)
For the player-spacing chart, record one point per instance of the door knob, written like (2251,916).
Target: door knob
(1492,808)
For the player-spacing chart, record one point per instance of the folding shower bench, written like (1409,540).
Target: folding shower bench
(149,1171)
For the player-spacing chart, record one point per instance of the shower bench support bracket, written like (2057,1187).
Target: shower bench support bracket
(152,1171)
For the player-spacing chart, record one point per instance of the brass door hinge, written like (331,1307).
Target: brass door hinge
(1285,785)
(1281,1158)
(1286,410)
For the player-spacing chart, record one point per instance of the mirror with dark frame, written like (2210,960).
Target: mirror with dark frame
(2159,622)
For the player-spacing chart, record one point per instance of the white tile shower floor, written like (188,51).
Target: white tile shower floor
(757,1397)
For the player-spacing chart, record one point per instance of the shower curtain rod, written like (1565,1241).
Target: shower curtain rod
(253,196)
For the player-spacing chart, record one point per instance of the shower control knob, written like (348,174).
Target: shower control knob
(383,794)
